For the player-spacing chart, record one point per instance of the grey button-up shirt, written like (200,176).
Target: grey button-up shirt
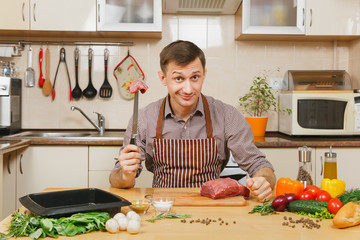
(230,129)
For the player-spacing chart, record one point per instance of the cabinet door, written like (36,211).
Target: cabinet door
(8,184)
(332,17)
(348,165)
(129,16)
(286,162)
(101,162)
(40,167)
(64,15)
(14,14)
(273,17)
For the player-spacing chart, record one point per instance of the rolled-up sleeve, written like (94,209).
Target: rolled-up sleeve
(240,141)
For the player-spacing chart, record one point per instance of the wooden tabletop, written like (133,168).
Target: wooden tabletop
(240,224)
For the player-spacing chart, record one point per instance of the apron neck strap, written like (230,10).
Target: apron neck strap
(209,129)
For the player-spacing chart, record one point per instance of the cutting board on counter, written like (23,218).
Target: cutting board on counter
(192,197)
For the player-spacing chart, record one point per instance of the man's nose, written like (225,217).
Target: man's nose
(187,86)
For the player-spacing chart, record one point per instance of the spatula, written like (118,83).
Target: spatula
(47,87)
(29,73)
(106,89)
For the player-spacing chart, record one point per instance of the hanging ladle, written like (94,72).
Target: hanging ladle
(90,91)
(76,92)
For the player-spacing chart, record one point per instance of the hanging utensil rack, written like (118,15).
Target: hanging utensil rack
(21,44)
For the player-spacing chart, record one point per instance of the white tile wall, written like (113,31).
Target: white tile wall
(231,66)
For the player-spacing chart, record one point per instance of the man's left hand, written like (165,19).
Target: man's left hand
(260,188)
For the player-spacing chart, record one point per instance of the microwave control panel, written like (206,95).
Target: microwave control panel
(357,117)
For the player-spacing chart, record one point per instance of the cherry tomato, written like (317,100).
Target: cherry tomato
(307,195)
(312,188)
(323,195)
(334,205)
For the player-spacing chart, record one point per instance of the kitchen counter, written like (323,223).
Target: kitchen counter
(12,145)
(246,226)
(115,138)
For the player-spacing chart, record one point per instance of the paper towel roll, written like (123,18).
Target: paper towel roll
(8,51)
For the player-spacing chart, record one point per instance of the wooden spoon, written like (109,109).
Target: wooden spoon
(47,87)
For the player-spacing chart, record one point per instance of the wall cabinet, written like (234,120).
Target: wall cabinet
(48,15)
(101,162)
(15,14)
(129,16)
(299,17)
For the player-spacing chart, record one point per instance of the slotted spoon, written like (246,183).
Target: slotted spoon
(106,89)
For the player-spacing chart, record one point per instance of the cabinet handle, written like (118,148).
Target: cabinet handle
(20,164)
(8,163)
(303,16)
(98,12)
(322,166)
(310,17)
(34,12)
(23,11)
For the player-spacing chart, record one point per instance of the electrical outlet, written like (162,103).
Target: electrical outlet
(276,83)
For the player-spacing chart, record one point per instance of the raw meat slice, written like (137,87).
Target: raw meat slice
(222,188)
(137,85)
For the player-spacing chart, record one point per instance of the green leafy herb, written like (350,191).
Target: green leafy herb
(325,214)
(168,216)
(22,225)
(350,196)
(264,209)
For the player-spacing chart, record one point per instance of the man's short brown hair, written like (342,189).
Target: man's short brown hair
(182,53)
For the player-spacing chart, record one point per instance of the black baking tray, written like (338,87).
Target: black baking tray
(68,202)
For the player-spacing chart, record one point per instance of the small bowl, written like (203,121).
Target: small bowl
(163,204)
(140,206)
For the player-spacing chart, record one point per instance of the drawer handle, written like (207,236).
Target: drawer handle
(20,164)
(303,16)
(310,17)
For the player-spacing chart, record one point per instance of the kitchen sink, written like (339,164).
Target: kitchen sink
(73,135)
(55,134)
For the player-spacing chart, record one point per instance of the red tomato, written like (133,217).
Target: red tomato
(312,188)
(323,195)
(307,195)
(334,205)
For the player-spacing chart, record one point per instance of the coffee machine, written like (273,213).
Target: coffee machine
(10,105)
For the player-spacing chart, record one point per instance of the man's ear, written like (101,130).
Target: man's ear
(162,77)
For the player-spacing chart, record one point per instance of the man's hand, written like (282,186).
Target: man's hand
(260,188)
(129,160)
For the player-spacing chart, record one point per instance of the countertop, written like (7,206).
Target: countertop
(115,138)
(241,225)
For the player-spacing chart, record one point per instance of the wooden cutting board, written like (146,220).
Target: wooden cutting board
(192,197)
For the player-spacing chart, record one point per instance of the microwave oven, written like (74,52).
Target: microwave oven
(320,113)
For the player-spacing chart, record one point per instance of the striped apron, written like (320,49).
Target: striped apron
(185,162)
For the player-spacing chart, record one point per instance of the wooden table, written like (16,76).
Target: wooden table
(246,226)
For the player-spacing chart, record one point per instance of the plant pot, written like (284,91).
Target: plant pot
(258,125)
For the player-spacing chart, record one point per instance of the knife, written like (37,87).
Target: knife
(135,119)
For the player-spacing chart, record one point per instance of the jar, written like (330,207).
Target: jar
(329,165)
(305,167)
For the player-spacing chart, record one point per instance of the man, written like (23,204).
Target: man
(185,139)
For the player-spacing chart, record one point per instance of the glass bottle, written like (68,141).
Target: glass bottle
(329,164)
(305,167)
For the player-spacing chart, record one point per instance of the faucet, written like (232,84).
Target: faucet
(101,120)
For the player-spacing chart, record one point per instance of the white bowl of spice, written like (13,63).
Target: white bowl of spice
(163,204)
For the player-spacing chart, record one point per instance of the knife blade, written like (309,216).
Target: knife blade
(135,118)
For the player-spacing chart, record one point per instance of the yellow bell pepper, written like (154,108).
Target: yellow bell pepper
(333,186)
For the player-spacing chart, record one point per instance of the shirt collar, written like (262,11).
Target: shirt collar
(198,110)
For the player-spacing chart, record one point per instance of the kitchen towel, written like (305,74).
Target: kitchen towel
(8,50)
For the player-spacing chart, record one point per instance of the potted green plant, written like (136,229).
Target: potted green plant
(259,100)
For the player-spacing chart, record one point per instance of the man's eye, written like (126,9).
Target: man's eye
(195,77)
(178,79)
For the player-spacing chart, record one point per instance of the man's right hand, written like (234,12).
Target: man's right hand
(129,160)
